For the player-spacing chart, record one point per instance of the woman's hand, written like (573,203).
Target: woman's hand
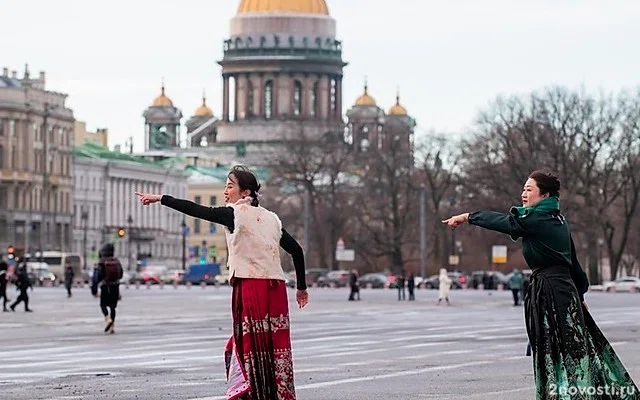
(457,220)
(302,297)
(148,198)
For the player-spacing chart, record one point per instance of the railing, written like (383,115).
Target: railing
(309,53)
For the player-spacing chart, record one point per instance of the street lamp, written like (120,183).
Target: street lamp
(184,244)
(84,216)
(129,223)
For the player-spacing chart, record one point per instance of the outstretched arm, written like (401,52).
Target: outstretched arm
(504,223)
(220,215)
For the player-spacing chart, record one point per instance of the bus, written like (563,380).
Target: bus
(57,261)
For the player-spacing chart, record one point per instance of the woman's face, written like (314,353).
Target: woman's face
(232,192)
(531,193)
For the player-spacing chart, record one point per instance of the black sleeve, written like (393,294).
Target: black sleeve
(219,215)
(577,273)
(291,246)
(504,223)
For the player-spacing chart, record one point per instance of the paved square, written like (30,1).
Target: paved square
(168,345)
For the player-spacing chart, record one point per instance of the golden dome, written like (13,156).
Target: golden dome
(203,110)
(295,6)
(365,99)
(398,109)
(162,100)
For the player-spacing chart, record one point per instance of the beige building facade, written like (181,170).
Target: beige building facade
(82,135)
(36,168)
(203,235)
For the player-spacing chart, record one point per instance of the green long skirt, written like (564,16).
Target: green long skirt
(571,357)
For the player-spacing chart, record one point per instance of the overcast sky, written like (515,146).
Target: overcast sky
(449,58)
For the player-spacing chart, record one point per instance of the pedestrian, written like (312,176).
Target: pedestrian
(258,355)
(23,283)
(68,278)
(444,286)
(4,272)
(107,278)
(411,286)
(353,283)
(570,353)
(400,282)
(516,283)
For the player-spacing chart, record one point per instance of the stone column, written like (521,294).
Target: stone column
(225,97)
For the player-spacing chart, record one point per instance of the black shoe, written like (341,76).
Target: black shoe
(28,310)
(13,309)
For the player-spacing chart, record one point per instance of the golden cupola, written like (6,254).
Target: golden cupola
(398,109)
(203,110)
(293,6)
(365,99)
(162,100)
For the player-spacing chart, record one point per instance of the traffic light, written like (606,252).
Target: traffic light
(121,232)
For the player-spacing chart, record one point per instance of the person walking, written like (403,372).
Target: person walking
(411,286)
(516,282)
(400,281)
(68,278)
(258,355)
(444,286)
(570,353)
(107,278)
(23,283)
(4,272)
(353,283)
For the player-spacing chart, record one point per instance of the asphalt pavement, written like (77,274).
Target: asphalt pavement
(169,342)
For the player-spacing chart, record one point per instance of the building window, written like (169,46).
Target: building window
(250,99)
(1,156)
(334,93)
(297,98)
(1,127)
(196,225)
(14,157)
(314,99)
(268,99)
(197,199)
(12,127)
(213,200)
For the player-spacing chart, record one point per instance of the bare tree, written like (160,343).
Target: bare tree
(439,158)
(388,210)
(590,141)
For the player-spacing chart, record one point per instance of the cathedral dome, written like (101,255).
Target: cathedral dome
(294,6)
(398,109)
(365,99)
(162,100)
(203,110)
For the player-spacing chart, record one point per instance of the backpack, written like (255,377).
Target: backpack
(112,270)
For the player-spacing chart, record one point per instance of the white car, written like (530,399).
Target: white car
(624,284)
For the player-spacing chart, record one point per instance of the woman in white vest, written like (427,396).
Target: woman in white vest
(258,354)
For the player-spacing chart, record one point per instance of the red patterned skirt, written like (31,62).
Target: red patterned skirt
(258,355)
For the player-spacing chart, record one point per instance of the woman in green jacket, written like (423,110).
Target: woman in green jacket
(571,357)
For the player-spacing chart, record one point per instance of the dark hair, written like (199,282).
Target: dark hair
(247,180)
(107,250)
(547,182)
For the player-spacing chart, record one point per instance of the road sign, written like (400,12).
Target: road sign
(498,254)
(340,244)
(454,260)
(345,255)
(212,229)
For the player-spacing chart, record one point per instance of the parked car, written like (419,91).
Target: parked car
(624,284)
(172,276)
(496,278)
(338,278)
(375,279)
(40,274)
(458,280)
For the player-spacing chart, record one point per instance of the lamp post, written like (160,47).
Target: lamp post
(84,216)
(129,223)
(184,244)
